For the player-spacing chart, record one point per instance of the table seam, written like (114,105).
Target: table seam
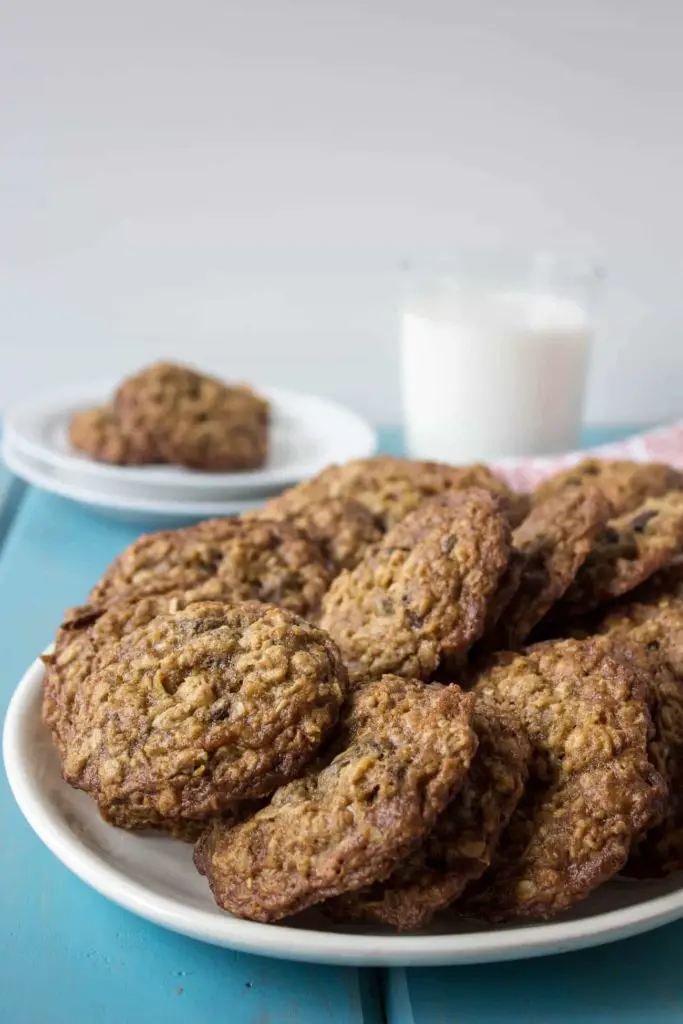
(16,494)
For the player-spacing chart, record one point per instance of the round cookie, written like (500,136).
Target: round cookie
(405,748)
(424,591)
(554,541)
(658,624)
(222,559)
(196,420)
(653,637)
(624,484)
(343,530)
(391,487)
(625,553)
(85,633)
(460,846)
(592,788)
(98,432)
(201,708)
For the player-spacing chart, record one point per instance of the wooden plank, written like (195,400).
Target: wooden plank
(68,954)
(638,981)
(12,491)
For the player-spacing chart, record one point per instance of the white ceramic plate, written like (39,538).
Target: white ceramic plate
(157,511)
(154,878)
(307,434)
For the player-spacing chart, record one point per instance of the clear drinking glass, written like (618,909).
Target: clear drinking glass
(494,355)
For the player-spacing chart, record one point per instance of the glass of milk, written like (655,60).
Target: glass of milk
(494,357)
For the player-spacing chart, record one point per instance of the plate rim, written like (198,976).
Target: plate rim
(278,941)
(32,474)
(248,482)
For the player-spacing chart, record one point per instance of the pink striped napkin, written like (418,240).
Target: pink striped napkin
(662,445)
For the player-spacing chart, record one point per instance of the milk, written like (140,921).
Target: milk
(491,374)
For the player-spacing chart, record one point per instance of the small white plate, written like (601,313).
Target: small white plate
(129,508)
(154,878)
(307,434)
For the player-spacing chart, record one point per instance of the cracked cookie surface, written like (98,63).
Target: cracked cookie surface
(592,788)
(404,749)
(344,530)
(200,708)
(229,559)
(624,484)
(460,846)
(424,592)
(391,487)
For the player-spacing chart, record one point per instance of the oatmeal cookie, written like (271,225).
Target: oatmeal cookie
(98,432)
(592,788)
(79,640)
(196,420)
(391,487)
(86,633)
(507,588)
(554,541)
(342,529)
(201,708)
(423,592)
(460,846)
(406,747)
(625,485)
(665,582)
(139,813)
(658,624)
(626,552)
(229,559)
(654,637)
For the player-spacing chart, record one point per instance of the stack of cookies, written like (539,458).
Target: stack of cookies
(174,414)
(399,689)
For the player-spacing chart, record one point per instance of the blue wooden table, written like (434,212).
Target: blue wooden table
(69,957)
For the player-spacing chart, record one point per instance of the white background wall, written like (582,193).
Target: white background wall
(235,181)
